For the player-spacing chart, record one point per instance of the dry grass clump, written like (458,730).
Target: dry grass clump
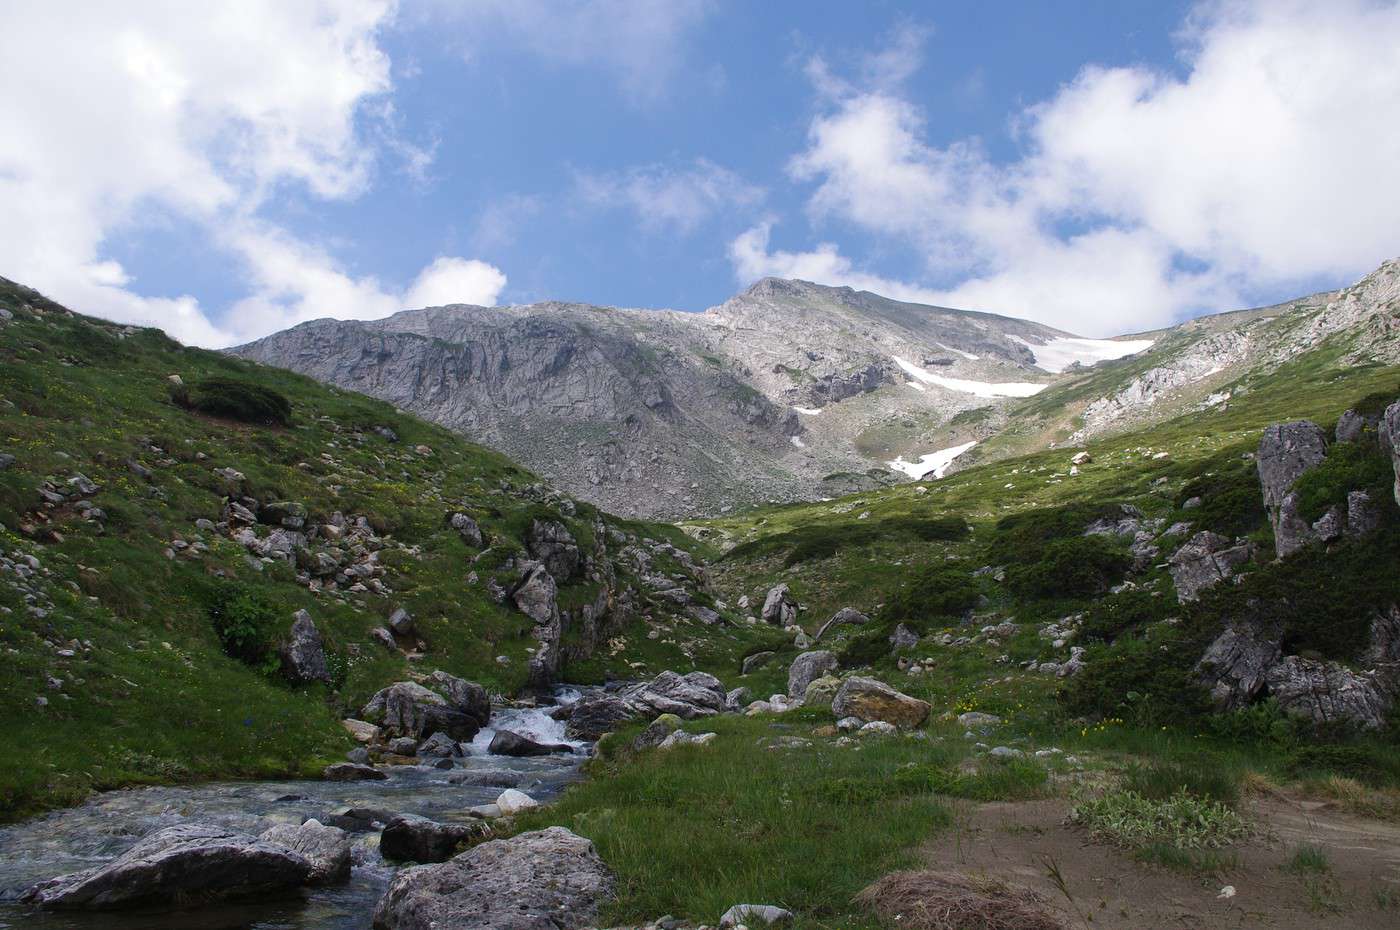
(929,900)
(1354,797)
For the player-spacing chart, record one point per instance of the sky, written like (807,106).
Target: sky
(226,170)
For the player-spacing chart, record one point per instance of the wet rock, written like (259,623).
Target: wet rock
(592,719)
(808,667)
(1234,668)
(326,848)
(417,839)
(352,771)
(440,746)
(488,779)
(407,708)
(544,880)
(403,746)
(1205,560)
(779,608)
(757,660)
(190,861)
(869,699)
(303,653)
(510,743)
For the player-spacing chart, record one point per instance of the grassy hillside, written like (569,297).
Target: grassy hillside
(137,644)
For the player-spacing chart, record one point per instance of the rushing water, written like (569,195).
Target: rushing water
(108,824)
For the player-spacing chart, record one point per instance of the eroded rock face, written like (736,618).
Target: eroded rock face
(1286,452)
(696,694)
(545,880)
(1328,692)
(304,654)
(868,699)
(779,608)
(551,543)
(1235,667)
(1204,561)
(1390,441)
(808,667)
(187,861)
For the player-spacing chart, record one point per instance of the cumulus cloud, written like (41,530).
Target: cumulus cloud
(670,197)
(1139,196)
(133,111)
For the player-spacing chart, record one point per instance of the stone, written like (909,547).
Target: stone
(190,861)
(381,635)
(417,839)
(757,660)
(362,731)
(779,608)
(1390,441)
(1234,668)
(759,913)
(974,719)
(1081,458)
(403,746)
(359,755)
(326,848)
(287,514)
(878,728)
(551,543)
(1286,451)
(869,699)
(808,667)
(467,696)
(821,691)
(1205,560)
(401,622)
(543,880)
(843,617)
(688,696)
(512,801)
(1353,426)
(510,743)
(407,708)
(1005,753)
(352,771)
(657,731)
(737,699)
(903,637)
(1363,515)
(593,718)
(682,738)
(303,654)
(467,528)
(6,461)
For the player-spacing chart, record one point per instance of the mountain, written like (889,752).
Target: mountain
(797,391)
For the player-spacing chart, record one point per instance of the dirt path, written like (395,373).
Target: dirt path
(1021,842)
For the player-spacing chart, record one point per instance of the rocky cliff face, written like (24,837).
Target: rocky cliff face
(793,390)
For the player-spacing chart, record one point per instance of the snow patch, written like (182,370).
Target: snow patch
(965,386)
(916,386)
(934,463)
(807,411)
(1058,354)
(797,441)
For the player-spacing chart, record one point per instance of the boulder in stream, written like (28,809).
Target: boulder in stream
(417,839)
(510,743)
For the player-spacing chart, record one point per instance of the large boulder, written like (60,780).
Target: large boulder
(544,880)
(510,743)
(1204,561)
(408,709)
(537,594)
(1330,693)
(1286,452)
(821,692)
(551,543)
(467,696)
(352,771)
(303,653)
(757,660)
(1235,666)
(808,667)
(779,608)
(190,861)
(593,718)
(467,528)
(868,699)
(326,848)
(417,839)
(1356,427)
(696,694)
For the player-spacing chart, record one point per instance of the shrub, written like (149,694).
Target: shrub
(248,623)
(235,400)
(866,648)
(823,540)
(1363,762)
(1349,466)
(1112,617)
(1078,566)
(1149,684)
(939,592)
(1231,502)
(1022,535)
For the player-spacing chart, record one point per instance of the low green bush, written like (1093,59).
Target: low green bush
(938,592)
(248,623)
(1123,613)
(235,400)
(1349,466)
(823,540)
(1078,566)
(1020,536)
(1364,762)
(1126,818)
(1227,486)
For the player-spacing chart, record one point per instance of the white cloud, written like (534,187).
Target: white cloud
(1140,196)
(751,258)
(456,281)
(664,196)
(640,42)
(133,111)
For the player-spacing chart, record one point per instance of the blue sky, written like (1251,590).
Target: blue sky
(1104,167)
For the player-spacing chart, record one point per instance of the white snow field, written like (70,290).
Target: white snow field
(1058,354)
(935,463)
(977,388)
